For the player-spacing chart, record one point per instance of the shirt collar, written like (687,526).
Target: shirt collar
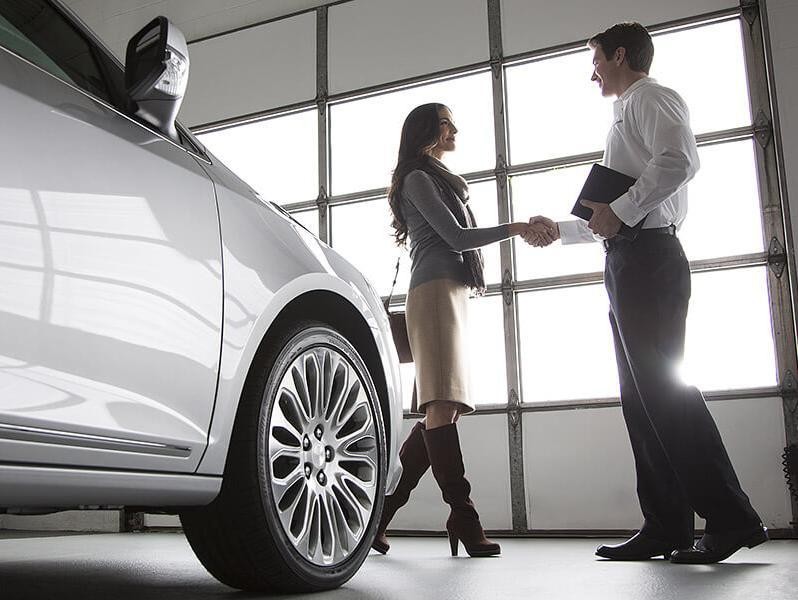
(622,99)
(639,83)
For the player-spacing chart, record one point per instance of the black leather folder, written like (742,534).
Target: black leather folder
(604,185)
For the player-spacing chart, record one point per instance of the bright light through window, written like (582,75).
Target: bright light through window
(362,233)
(310,219)
(724,216)
(729,333)
(570,356)
(552,194)
(278,157)
(556,111)
(486,212)
(717,96)
(365,133)
(488,366)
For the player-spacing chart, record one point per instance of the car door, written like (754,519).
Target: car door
(110,265)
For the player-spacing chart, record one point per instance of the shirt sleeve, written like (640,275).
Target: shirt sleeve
(664,127)
(421,192)
(576,232)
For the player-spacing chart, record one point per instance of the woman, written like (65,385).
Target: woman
(429,206)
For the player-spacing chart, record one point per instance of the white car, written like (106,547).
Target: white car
(168,340)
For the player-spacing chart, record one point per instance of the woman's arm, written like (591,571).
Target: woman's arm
(420,191)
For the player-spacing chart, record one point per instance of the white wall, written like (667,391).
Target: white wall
(377,41)
(275,62)
(117,20)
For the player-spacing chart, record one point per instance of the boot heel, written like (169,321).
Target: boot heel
(454,544)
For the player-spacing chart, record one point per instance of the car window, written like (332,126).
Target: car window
(37,32)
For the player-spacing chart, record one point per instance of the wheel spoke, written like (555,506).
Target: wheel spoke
(313,380)
(293,510)
(289,411)
(354,510)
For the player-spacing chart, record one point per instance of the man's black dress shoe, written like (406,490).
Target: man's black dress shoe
(638,547)
(714,547)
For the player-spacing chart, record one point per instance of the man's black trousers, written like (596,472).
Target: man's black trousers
(680,460)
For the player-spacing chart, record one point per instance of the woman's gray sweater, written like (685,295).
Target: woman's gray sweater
(437,240)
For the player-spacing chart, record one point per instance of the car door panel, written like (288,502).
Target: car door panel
(110,284)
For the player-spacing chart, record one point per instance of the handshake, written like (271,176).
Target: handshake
(539,232)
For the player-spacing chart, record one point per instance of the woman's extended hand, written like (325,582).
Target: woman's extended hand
(540,231)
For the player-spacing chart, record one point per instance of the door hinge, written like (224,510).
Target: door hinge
(514,408)
(789,385)
(507,287)
(777,257)
(749,10)
(501,171)
(763,129)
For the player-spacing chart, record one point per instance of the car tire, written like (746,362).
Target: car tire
(305,475)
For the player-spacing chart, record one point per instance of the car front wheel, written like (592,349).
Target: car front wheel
(305,473)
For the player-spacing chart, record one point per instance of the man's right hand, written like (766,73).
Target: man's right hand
(541,232)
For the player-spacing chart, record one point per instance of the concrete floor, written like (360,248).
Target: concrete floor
(161,566)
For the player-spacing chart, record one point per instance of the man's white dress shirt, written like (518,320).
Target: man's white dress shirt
(650,140)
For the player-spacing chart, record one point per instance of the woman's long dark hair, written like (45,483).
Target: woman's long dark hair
(420,132)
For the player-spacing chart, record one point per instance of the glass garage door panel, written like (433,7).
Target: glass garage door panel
(729,338)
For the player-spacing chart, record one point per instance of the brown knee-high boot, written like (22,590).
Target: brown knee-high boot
(443,449)
(413,456)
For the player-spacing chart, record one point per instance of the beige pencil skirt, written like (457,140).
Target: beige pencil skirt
(437,321)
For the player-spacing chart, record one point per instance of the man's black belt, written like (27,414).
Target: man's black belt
(643,233)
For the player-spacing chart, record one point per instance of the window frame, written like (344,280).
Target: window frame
(511,286)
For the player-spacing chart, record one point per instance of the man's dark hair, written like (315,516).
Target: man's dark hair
(631,36)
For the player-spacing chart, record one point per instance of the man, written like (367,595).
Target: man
(681,462)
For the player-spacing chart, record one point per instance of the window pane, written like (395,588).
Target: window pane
(310,220)
(278,157)
(555,110)
(485,206)
(362,233)
(718,96)
(729,333)
(723,350)
(552,194)
(486,350)
(563,358)
(407,371)
(724,217)
(365,133)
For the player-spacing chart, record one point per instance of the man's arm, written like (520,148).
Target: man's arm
(664,126)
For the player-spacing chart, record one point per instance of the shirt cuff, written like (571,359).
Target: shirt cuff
(626,210)
(571,232)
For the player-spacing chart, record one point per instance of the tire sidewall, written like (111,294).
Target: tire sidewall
(315,335)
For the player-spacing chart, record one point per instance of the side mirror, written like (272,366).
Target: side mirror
(156,74)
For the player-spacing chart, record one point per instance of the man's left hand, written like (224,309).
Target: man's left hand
(604,221)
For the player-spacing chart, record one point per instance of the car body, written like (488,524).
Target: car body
(145,290)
